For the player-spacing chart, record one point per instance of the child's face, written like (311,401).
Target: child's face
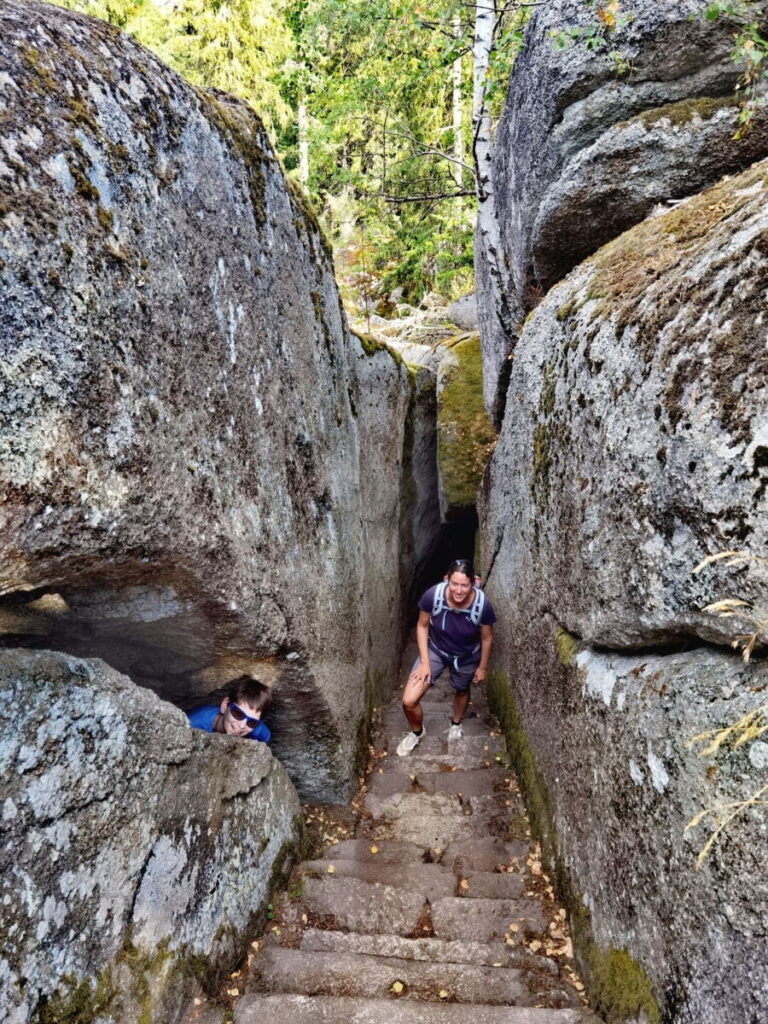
(234,724)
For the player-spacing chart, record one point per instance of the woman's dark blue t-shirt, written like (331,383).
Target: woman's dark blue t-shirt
(452,631)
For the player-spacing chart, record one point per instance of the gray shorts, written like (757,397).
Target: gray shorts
(460,678)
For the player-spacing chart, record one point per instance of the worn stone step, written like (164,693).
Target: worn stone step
(487,954)
(387,852)
(435,831)
(340,903)
(459,758)
(295,1009)
(199,1011)
(354,974)
(484,920)
(492,885)
(437,721)
(467,783)
(431,881)
(412,802)
(486,854)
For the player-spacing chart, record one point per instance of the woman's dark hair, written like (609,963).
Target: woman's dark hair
(462,565)
(246,688)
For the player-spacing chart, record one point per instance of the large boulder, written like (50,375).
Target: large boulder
(634,446)
(591,139)
(137,852)
(202,469)
(635,441)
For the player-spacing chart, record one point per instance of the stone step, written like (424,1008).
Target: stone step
(484,745)
(430,881)
(486,854)
(437,721)
(487,954)
(492,885)
(295,1009)
(387,852)
(467,783)
(200,1011)
(485,920)
(354,974)
(349,903)
(434,831)
(459,758)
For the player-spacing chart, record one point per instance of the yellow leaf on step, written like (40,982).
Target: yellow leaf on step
(443,994)
(514,928)
(496,965)
(534,946)
(397,987)
(304,919)
(331,869)
(374,849)
(463,884)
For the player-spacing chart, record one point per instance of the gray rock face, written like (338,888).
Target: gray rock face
(184,410)
(635,438)
(135,851)
(633,446)
(583,152)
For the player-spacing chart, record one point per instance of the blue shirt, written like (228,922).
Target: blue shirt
(204,717)
(453,630)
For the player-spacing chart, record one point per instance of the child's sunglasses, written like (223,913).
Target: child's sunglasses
(240,716)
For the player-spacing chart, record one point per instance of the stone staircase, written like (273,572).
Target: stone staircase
(437,913)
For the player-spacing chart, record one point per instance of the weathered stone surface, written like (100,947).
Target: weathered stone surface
(569,172)
(136,851)
(484,920)
(633,446)
(363,906)
(354,974)
(463,312)
(635,441)
(185,412)
(253,1009)
(430,881)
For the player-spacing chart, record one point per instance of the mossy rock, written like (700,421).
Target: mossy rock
(617,985)
(465,435)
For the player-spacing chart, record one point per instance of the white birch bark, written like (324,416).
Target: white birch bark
(497,322)
(458,141)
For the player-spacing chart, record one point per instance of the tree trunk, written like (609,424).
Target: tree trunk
(458,141)
(498,321)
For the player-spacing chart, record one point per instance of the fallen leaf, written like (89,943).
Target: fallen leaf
(331,869)
(443,994)
(233,991)
(535,867)
(374,849)
(578,986)
(397,987)
(514,928)
(198,1002)
(497,965)
(534,946)
(304,919)
(509,940)
(463,884)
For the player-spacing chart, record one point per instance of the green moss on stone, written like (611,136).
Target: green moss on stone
(106,218)
(309,219)
(684,111)
(617,986)
(567,646)
(565,310)
(244,133)
(465,435)
(76,1001)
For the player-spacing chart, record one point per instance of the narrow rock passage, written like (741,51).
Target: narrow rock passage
(437,912)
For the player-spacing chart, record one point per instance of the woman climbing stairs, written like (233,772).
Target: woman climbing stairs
(437,913)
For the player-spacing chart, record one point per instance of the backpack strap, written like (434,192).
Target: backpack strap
(438,601)
(476,610)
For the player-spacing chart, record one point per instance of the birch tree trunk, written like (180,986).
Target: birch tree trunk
(458,140)
(496,319)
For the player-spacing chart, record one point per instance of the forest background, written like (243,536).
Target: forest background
(383,109)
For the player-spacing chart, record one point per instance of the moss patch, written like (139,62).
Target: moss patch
(465,435)
(567,646)
(618,987)
(244,133)
(684,111)
(76,1002)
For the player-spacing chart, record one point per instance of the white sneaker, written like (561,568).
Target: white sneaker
(455,732)
(409,742)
